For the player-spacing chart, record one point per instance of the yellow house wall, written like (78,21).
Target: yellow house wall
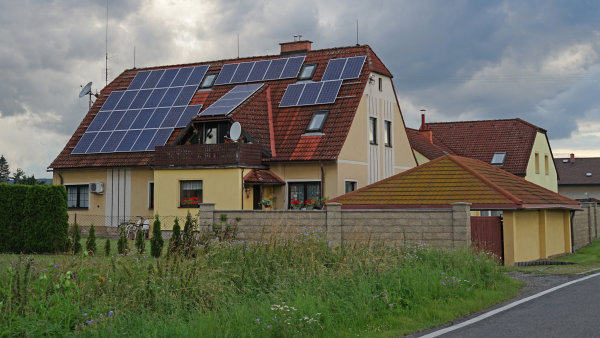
(421,159)
(84,176)
(540,146)
(555,233)
(140,201)
(527,242)
(223,187)
(305,172)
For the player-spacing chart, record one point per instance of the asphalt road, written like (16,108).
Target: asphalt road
(572,311)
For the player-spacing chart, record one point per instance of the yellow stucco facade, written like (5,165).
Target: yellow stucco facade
(540,168)
(535,234)
(421,159)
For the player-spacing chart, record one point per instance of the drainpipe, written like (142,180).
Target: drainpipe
(322,180)
(61,178)
(243,187)
(572,235)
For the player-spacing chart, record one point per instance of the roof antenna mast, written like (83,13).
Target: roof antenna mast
(238,37)
(106,46)
(357,32)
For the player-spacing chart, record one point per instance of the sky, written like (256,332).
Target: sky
(458,60)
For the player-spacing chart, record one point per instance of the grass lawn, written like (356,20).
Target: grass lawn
(300,287)
(585,259)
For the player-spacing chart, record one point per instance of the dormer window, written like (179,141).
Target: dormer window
(588,174)
(498,158)
(317,121)
(208,81)
(307,71)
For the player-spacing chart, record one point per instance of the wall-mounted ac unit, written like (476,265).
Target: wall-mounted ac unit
(97,187)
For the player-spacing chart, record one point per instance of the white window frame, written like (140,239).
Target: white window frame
(350,180)
(89,195)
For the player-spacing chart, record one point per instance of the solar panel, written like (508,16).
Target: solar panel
(224,106)
(275,69)
(197,75)
(113,120)
(157,118)
(242,72)
(353,67)
(98,142)
(155,97)
(185,96)
(188,115)
(258,71)
(138,80)
(292,67)
(143,140)
(126,99)
(291,95)
(128,140)
(310,93)
(140,99)
(182,76)
(143,116)
(153,79)
(113,141)
(112,100)
(98,121)
(329,92)
(334,69)
(167,78)
(226,73)
(160,138)
(127,119)
(84,143)
(170,97)
(172,117)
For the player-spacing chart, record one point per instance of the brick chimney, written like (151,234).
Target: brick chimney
(572,159)
(425,131)
(295,47)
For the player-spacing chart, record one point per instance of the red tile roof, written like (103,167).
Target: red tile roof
(428,149)
(262,176)
(450,179)
(481,139)
(288,124)
(576,172)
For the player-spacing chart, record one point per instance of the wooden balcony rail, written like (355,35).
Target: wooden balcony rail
(226,154)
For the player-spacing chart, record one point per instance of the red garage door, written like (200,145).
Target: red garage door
(486,234)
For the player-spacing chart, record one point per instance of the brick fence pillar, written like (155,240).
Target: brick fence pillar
(461,224)
(334,224)
(206,216)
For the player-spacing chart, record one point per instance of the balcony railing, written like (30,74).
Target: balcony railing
(227,154)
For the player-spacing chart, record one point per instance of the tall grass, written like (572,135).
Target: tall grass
(286,288)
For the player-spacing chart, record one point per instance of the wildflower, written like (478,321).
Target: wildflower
(269,326)
(110,313)
(85,314)
(257,320)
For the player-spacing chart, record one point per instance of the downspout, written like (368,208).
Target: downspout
(61,177)
(322,180)
(243,187)
(572,236)
(270,116)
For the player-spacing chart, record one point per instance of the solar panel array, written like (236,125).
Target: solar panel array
(264,70)
(344,68)
(310,93)
(143,116)
(228,102)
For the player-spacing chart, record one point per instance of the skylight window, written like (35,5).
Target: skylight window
(307,71)
(317,121)
(498,158)
(208,81)
(588,174)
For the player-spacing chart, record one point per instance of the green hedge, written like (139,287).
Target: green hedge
(33,218)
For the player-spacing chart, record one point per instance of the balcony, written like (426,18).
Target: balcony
(198,155)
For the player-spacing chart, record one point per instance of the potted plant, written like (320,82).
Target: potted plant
(295,204)
(190,201)
(309,204)
(265,203)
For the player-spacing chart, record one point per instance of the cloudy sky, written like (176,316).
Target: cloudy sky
(459,60)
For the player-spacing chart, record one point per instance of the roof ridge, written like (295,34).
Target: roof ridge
(486,181)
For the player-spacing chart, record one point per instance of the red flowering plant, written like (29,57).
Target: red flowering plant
(309,203)
(295,203)
(190,201)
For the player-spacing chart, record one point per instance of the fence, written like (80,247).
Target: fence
(102,230)
(586,224)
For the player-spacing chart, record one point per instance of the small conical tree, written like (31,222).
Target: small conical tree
(90,244)
(175,241)
(76,235)
(107,247)
(188,235)
(140,244)
(156,243)
(122,245)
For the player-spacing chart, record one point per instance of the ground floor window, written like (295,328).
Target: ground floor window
(151,195)
(301,192)
(191,193)
(78,196)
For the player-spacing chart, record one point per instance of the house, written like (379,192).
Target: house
(245,133)
(579,177)
(514,145)
(535,224)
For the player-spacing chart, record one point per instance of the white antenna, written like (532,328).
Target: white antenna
(238,41)
(235,131)
(357,32)
(106,46)
(134,56)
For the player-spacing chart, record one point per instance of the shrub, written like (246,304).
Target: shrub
(90,244)
(188,241)
(156,243)
(175,241)
(107,247)
(140,244)
(76,238)
(122,245)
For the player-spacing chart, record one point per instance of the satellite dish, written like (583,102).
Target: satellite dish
(235,131)
(86,90)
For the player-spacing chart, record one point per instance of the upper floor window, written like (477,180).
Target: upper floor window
(317,121)
(537,163)
(372,130)
(498,158)
(213,132)
(387,133)
(546,165)
(307,71)
(78,196)
(349,186)
(380,84)
(208,81)
(191,193)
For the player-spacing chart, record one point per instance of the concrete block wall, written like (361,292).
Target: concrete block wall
(586,224)
(448,228)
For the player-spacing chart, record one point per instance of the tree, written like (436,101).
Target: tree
(4,170)
(107,247)
(122,246)
(90,244)
(140,244)
(175,242)
(76,235)
(18,176)
(156,243)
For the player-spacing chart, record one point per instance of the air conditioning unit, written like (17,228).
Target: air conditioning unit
(97,187)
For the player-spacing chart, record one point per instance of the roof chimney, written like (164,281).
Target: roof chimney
(295,47)
(424,130)
(572,160)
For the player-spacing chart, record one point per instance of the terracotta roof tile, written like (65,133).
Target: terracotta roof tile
(450,179)
(421,144)
(576,172)
(262,176)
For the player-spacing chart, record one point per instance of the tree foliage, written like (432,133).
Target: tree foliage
(140,244)
(90,244)
(175,241)
(156,242)
(4,170)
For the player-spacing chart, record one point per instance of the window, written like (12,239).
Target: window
(372,130)
(546,165)
(317,121)
(303,191)
(349,186)
(387,133)
(150,195)
(208,81)
(214,132)
(537,163)
(78,196)
(380,84)
(191,194)
(307,71)
(498,158)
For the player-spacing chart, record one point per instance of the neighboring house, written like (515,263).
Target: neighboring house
(514,145)
(314,123)
(536,221)
(579,178)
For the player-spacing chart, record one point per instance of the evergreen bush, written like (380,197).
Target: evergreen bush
(107,247)
(76,238)
(122,245)
(90,244)
(175,241)
(156,243)
(140,244)
(188,241)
